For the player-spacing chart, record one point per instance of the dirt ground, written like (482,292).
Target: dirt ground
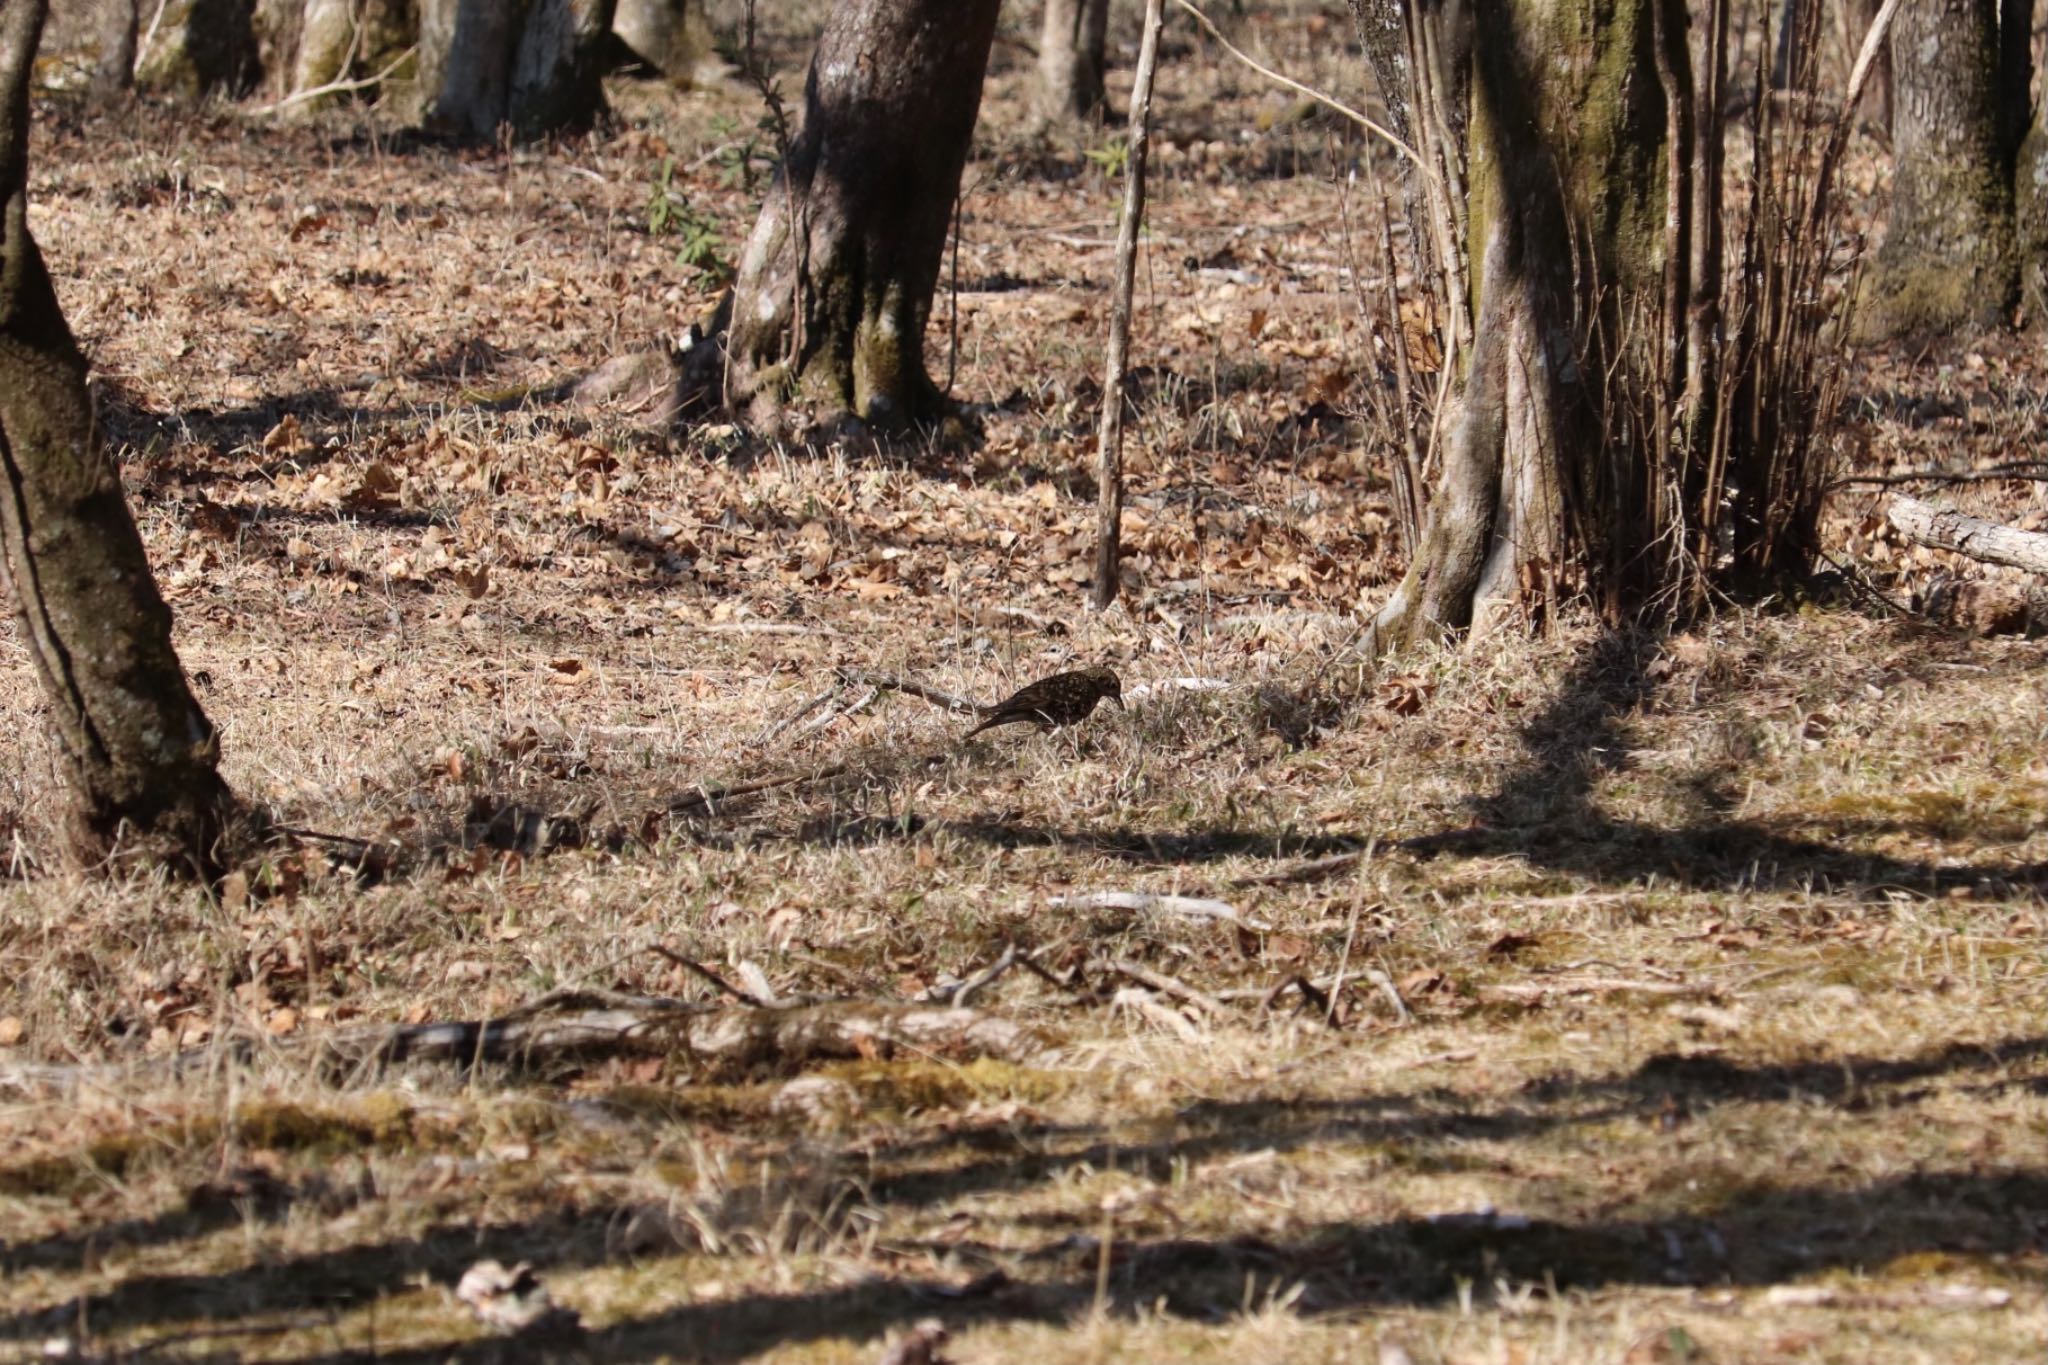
(1590,997)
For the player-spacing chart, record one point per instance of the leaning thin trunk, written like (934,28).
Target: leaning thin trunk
(836,281)
(142,754)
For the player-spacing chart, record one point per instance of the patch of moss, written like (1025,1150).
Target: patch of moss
(381,1120)
(908,1086)
(1998,813)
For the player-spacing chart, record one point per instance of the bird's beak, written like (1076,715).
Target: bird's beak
(1118,700)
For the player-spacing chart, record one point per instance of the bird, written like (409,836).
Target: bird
(1061,699)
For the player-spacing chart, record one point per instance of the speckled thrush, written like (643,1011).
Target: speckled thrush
(1061,699)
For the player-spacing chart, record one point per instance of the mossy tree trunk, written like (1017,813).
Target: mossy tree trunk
(1073,56)
(1949,256)
(1565,164)
(142,754)
(836,281)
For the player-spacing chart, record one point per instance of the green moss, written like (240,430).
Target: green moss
(1999,813)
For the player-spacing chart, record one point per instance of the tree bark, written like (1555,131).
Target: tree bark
(142,753)
(1566,201)
(1949,258)
(1877,98)
(836,280)
(1073,56)
(199,47)
(672,36)
(532,64)
(2030,214)
(1984,540)
(115,70)
(558,69)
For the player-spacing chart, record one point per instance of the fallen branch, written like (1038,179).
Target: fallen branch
(1524,991)
(2027,471)
(704,973)
(599,1023)
(890,682)
(860,703)
(707,798)
(1166,985)
(1314,870)
(981,980)
(1148,903)
(767,736)
(1966,535)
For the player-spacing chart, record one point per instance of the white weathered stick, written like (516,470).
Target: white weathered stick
(1147,903)
(1973,536)
(1144,690)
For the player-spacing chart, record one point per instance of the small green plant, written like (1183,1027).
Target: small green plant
(738,157)
(670,212)
(1111,158)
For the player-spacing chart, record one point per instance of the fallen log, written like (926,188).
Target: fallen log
(578,1025)
(1966,535)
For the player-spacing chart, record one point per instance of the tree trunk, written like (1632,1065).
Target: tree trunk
(1877,99)
(671,36)
(2030,210)
(558,69)
(115,70)
(198,47)
(1949,259)
(1073,55)
(141,752)
(1567,245)
(307,45)
(836,280)
(533,64)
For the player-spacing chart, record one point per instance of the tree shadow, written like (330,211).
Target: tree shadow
(1547,813)
(1741,1231)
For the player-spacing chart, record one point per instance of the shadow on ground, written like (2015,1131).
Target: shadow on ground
(1744,1231)
(1546,813)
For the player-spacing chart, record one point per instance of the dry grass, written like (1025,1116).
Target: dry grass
(1723,952)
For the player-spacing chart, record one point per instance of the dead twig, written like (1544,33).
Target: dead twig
(1166,985)
(910,687)
(1387,988)
(1311,871)
(704,973)
(860,703)
(341,87)
(1150,689)
(767,736)
(707,798)
(986,977)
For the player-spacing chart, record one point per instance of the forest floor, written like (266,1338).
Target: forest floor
(1670,997)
